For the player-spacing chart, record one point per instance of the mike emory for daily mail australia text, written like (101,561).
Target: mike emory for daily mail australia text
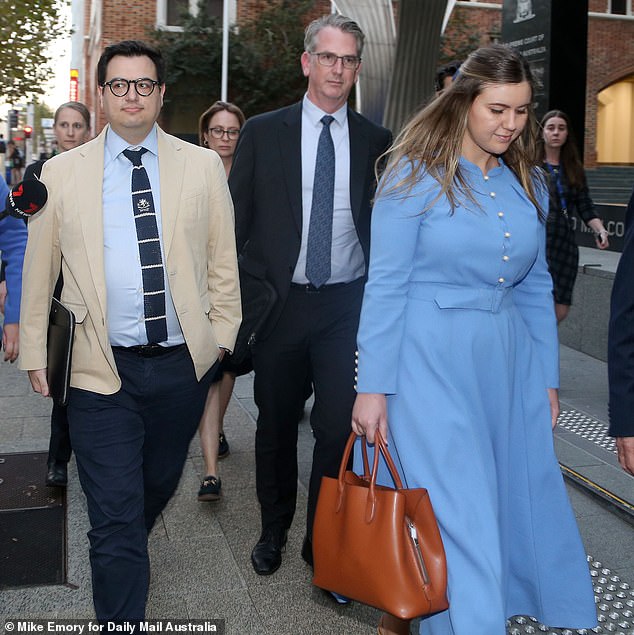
(87,627)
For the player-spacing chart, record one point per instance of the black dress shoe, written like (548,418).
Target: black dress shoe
(266,556)
(307,551)
(57,474)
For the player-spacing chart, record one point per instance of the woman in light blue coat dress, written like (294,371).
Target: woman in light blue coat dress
(458,353)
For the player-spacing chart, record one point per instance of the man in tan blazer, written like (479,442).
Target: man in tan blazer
(141,225)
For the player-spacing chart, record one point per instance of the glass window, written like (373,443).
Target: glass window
(618,7)
(175,11)
(214,7)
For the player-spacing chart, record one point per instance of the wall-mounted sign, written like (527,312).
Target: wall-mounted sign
(553,36)
(74,85)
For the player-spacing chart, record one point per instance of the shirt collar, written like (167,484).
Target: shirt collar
(315,114)
(115,144)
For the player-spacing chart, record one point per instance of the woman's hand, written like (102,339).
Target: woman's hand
(553,398)
(369,414)
(602,239)
(600,233)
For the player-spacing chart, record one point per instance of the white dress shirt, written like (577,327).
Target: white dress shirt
(346,256)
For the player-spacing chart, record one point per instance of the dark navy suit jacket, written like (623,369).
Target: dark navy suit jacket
(621,337)
(266,187)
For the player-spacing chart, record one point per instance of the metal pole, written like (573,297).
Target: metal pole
(225,50)
(29,144)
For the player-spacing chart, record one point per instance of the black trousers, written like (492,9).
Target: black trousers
(316,337)
(130,449)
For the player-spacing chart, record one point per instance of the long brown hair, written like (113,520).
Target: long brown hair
(569,158)
(432,140)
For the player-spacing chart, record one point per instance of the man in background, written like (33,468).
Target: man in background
(621,349)
(302,182)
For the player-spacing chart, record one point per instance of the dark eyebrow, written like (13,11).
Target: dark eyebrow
(497,103)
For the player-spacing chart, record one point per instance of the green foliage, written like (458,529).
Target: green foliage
(264,66)
(462,37)
(27,29)
(193,57)
(265,63)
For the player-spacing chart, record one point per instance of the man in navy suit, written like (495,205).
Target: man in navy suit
(621,349)
(311,331)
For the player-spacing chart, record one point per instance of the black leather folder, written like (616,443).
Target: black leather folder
(61,330)
(258,299)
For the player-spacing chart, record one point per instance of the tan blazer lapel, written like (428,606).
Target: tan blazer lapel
(171,173)
(88,175)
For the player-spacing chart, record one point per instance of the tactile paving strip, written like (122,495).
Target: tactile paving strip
(615,608)
(587,428)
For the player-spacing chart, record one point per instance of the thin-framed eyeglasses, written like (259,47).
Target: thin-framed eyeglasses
(219,133)
(350,62)
(119,87)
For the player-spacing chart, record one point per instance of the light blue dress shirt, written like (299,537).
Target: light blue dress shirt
(124,282)
(346,257)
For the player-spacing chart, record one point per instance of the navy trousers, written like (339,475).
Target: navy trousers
(59,448)
(130,449)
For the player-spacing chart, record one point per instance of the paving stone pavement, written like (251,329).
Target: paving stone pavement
(200,551)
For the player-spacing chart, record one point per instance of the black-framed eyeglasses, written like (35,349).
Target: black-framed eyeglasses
(119,87)
(219,133)
(351,62)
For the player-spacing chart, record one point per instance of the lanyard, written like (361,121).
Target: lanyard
(556,174)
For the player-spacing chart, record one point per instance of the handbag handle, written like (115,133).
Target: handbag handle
(380,448)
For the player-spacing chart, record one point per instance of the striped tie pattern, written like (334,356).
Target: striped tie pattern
(149,250)
(320,227)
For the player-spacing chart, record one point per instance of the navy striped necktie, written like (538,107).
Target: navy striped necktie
(320,226)
(149,250)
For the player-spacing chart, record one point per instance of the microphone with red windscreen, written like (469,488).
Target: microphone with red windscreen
(25,199)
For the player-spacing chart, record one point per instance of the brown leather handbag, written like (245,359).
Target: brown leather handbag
(379,545)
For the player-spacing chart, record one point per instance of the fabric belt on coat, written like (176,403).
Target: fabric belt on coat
(148,350)
(450,296)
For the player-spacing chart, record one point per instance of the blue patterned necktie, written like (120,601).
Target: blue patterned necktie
(149,250)
(320,227)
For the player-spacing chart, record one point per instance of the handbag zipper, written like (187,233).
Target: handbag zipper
(414,536)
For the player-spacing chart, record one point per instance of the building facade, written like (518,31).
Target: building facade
(609,121)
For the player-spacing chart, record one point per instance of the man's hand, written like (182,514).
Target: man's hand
(39,382)
(625,452)
(11,342)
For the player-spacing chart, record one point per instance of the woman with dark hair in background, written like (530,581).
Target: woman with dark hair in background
(218,129)
(71,127)
(568,195)
(458,352)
